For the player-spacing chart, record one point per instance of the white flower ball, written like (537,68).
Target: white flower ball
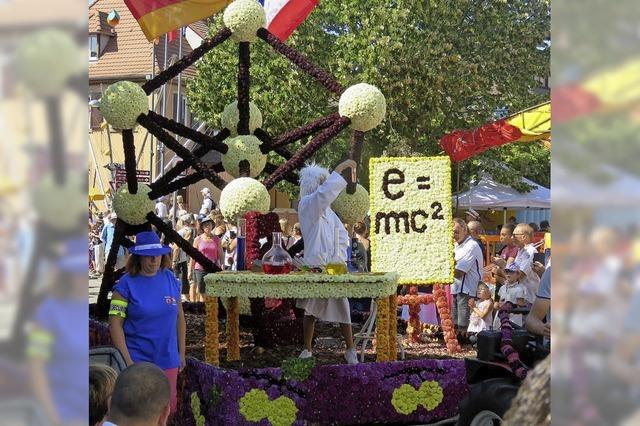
(231,116)
(244,18)
(244,147)
(243,195)
(352,208)
(122,103)
(47,59)
(364,104)
(133,208)
(61,206)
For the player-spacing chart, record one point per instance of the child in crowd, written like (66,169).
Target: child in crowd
(481,312)
(513,291)
(102,378)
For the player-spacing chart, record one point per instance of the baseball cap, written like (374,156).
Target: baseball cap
(474,214)
(513,267)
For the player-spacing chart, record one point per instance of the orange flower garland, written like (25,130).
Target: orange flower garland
(445,319)
(233,329)
(211,343)
(382,330)
(414,300)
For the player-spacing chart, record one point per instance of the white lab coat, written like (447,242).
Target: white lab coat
(317,223)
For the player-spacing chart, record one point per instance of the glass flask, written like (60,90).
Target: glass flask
(336,265)
(277,260)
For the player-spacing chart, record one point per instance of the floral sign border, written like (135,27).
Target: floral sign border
(411,218)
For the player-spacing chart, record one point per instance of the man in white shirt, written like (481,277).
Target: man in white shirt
(523,234)
(207,202)
(469,263)
(161,209)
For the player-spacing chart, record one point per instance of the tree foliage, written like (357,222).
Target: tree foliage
(442,65)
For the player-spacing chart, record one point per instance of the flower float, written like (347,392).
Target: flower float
(211,350)
(411,223)
(243,195)
(446,322)
(244,18)
(414,300)
(406,399)
(122,103)
(243,147)
(506,343)
(133,208)
(364,105)
(352,208)
(231,116)
(255,406)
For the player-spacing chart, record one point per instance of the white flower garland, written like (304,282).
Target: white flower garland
(364,104)
(133,208)
(244,18)
(122,103)
(300,285)
(244,147)
(231,116)
(352,208)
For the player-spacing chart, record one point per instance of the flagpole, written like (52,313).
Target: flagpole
(153,105)
(163,109)
(179,120)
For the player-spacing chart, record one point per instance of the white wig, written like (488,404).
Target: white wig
(311,177)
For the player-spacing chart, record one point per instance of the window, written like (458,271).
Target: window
(93,47)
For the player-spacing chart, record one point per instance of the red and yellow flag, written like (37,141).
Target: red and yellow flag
(157,17)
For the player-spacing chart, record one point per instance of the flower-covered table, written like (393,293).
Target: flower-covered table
(380,286)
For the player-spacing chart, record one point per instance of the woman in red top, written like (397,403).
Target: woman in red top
(209,245)
(508,252)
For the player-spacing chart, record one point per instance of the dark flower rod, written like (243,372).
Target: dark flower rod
(357,140)
(110,274)
(176,185)
(187,61)
(300,132)
(211,142)
(506,344)
(130,160)
(244,168)
(267,140)
(174,237)
(244,82)
(56,139)
(314,71)
(299,158)
(291,177)
(182,166)
(181,151)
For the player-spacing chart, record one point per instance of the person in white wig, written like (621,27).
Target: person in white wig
(318,189)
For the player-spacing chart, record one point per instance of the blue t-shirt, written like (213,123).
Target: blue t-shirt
(152,315)
(68,366)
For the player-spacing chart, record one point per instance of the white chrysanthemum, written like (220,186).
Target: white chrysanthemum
(243,195)
(231,116)
(244,147)
(60,205)
(244,18)
(133,208)
(352,208)
(364,104)
(122,103)
(47,59)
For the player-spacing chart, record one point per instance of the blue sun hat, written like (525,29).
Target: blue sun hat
(148,244)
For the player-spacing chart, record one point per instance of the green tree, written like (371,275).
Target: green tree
(442,65)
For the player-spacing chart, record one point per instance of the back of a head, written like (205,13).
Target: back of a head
(360,228)
(101,381)
(141,394)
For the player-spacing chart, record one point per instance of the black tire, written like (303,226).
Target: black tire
(493,395)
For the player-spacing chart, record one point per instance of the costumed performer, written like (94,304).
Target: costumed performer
(318,189)
(146,320)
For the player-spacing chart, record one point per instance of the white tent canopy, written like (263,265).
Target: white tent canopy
(488,194)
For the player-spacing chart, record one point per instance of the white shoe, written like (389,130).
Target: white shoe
(351,356)
(305,354)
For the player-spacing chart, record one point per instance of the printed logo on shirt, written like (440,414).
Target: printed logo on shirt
(170,300)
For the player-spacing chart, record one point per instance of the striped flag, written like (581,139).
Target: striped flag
(284,16)
(157,17)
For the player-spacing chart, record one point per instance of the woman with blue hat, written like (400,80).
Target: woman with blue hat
(146,318)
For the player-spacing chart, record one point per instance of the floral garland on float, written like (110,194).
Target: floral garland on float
(506,342)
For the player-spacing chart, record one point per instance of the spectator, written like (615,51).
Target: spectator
(512,220)
(102,378)
(146,320)
(180,208)
(179,256)
(534,226)
(513,292)
(296,235)
(539,319)
(523,235)
(468,264)
(471,214)
(207,202)
(161,209)
(98,245)
(140,397)
(209,245)
(107,236)
(544,226)
(361,258)
(286,235)
(476,231)
(481,312)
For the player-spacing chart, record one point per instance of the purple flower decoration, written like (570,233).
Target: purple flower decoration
(513,358)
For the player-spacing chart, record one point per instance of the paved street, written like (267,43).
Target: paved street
(94,289)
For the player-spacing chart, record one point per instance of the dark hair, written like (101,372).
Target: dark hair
(510,226)
(534,226)
(359,228)
(141,392)
(544,224)
(133,266)
(102,378)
